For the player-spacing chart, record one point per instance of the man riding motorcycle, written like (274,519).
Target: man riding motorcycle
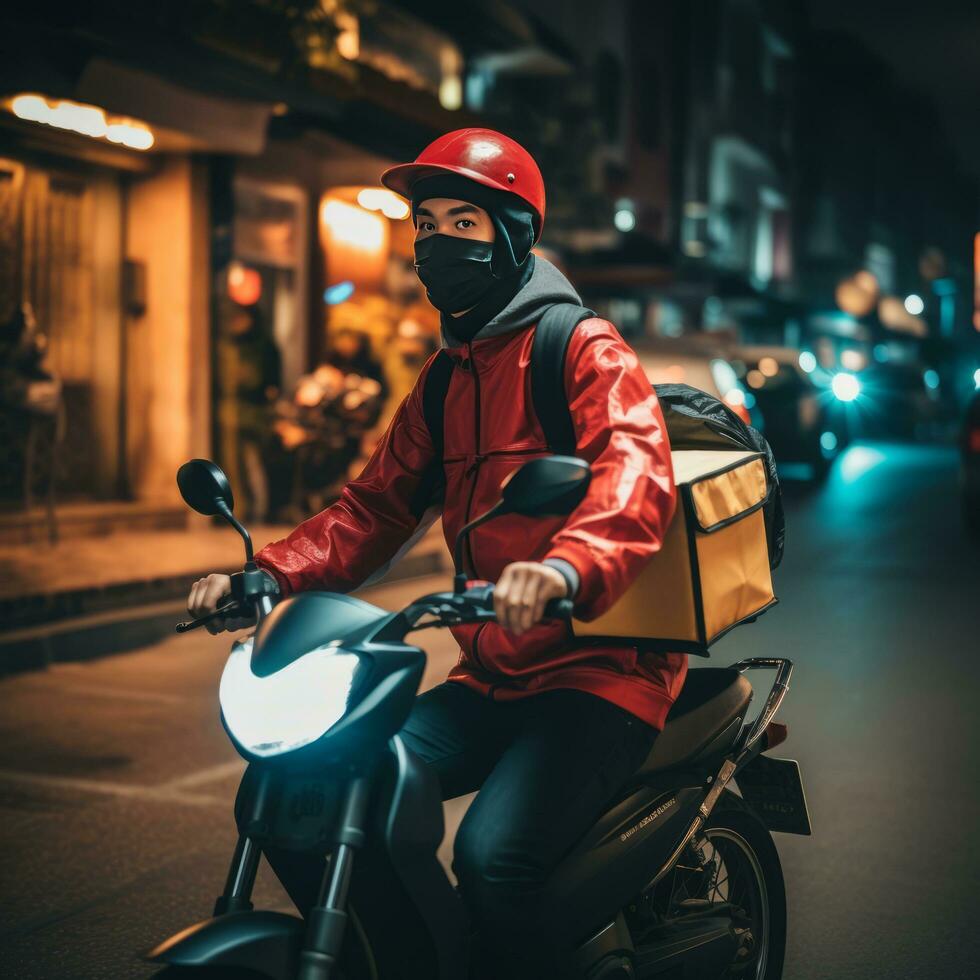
(547,729)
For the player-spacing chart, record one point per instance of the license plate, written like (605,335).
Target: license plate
(774,789)
(305,815)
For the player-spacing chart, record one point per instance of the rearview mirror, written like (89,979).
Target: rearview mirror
(552,486)
(204,487)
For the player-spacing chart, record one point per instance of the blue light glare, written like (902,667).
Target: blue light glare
(828,441)
(724,376)
(976,378)
(808,361)
(845,387)
(624,220)
(749,401)
(859,460)
(338,292)
(931,379)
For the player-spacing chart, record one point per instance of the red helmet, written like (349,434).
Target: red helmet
(483,155)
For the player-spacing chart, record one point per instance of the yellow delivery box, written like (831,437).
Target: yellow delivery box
(712,572)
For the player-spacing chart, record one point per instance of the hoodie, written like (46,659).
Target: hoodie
(546,287)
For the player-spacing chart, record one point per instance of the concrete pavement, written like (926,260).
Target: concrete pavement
(86,597)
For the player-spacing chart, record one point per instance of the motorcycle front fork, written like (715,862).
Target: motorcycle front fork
(327,919)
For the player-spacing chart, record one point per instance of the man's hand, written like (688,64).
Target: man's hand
(521,593)
(206,595)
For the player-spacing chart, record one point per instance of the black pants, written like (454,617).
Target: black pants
(545,767)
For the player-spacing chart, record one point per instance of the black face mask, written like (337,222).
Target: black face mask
(455,271)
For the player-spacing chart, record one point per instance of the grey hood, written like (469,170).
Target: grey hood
(546,287)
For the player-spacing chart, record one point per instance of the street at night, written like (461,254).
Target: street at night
(117,779)
(665,314)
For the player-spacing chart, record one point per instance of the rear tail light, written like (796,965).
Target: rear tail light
(775,734)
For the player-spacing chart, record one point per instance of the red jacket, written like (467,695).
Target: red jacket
(490,429)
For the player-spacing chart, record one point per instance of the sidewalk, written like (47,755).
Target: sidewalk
(89,596)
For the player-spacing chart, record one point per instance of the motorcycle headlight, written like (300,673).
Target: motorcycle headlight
(288,709)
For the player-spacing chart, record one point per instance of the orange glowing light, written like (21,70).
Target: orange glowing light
(86,120)
(976,281)
(244,284)
(353,226)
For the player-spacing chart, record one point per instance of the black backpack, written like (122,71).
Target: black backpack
(694,419)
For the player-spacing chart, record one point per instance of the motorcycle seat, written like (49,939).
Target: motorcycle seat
(705,718)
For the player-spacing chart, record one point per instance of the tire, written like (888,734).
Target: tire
(736,828)
(730,868)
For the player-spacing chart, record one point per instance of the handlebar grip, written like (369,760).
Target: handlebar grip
(229,608)
(559,608)
(482,596)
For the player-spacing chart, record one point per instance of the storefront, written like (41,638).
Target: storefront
(103,280)
(61,241)
(323,258)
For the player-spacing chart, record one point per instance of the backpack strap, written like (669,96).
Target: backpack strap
(549,349)
(433,411)
(434,399)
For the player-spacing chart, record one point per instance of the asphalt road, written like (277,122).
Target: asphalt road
(116,779)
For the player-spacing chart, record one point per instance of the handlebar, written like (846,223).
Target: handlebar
(251,593)
(477,598)
(482,597)
(228,609)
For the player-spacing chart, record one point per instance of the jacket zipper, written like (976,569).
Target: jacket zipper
(474,469)
(474,472)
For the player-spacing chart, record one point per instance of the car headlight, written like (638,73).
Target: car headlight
(845,387)
(288,709)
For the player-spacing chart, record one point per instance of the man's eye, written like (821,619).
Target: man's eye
(426,226)
(464,223)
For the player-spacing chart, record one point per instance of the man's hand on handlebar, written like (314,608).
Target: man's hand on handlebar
(209,593)
(523,589)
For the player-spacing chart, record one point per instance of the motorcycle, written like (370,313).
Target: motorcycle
(679,877)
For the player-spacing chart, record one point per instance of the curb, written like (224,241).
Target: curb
(85,624)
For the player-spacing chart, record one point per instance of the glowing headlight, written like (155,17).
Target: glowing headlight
(845,387)
(290,708)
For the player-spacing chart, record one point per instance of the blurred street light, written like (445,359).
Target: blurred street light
(914,304)
(857,295)
(379,199)
(624,220)
(845,387)
(853,360)
(808,361)
(244,284)
(86,120)
(339,292)
(353,226)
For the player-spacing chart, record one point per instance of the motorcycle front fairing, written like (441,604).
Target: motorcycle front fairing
(313,687)
(398,891)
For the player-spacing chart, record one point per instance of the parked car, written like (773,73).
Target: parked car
(802,415)
(970,470)
(670,362)
(899,404)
